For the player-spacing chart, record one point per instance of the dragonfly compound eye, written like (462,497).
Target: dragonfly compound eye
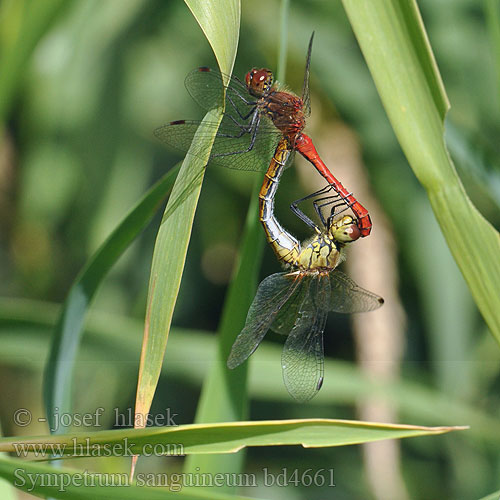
(259,81)
(348,233)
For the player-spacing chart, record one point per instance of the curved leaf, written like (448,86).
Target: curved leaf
(392,37)
(225,437)
(220,23)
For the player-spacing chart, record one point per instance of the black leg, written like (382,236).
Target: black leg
(302,216)
(336,201)
(253,129)
(248,103)
(240,96)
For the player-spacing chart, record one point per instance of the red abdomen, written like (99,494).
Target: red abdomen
(305,146)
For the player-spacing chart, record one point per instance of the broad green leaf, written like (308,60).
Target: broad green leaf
(220,23)
(478,166)
(68,330)
(83,485)
(394,43)
(224,437)
(224,393)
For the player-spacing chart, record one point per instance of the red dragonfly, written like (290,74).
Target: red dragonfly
(258,114)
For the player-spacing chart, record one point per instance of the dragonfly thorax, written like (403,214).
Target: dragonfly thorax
(321,252)
(286,112)
(259,81)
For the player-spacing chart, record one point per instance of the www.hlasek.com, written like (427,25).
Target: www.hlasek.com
(175,481)
(83,447)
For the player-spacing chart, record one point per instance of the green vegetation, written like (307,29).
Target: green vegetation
(82,87)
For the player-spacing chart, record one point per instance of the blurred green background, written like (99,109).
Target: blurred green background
(80,94)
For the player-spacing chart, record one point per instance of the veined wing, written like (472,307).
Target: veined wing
(302,357)
(347,297)
(205,85)
(235,146)
(288,314)
(272,294)
(306,96)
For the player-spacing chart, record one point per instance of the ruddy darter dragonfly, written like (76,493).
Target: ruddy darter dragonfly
(258,115)
(296,303)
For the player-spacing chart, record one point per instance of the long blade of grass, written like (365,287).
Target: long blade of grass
(224,437)
(224,392)
(68,330)
(220,21)
(392,37)
(478,166)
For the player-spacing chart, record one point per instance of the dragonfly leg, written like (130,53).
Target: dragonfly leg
(240,96)
(336,201)
(254,104)
(253,129)
(244,128)
(249,103)
(302,216)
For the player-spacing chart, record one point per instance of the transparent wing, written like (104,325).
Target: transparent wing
(206,86)
(306,96)
(347,297)
(289,312)
(235,145)
(302,357)
(273,292)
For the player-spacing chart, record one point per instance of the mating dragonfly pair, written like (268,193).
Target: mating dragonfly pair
(262,127)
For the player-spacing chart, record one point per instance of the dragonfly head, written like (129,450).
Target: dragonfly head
(259,81)
(345,230)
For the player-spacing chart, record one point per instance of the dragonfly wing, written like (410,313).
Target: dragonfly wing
(245,150)
(288,314)
(306,96)
(272,293)
(234,146)
(302,357)
(347,297)
(206,87)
